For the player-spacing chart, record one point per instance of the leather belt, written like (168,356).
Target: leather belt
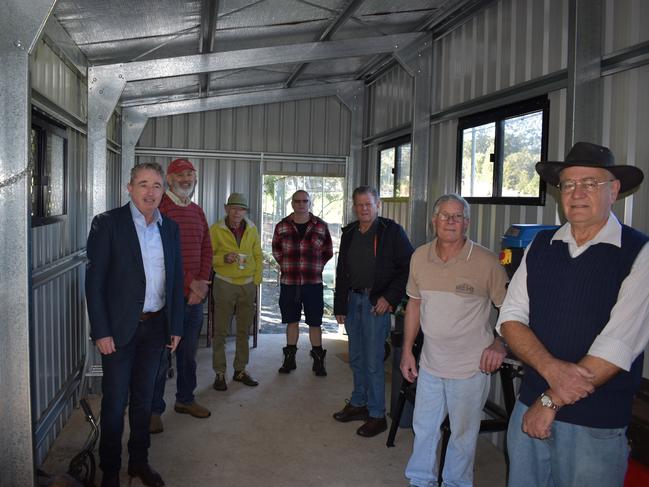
(360,290)
(150,314)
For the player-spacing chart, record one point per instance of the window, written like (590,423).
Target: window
(48,156)
(497,151)
(394,168)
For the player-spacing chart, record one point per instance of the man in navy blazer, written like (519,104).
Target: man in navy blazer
(134,292)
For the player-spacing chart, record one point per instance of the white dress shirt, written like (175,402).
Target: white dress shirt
(153,258)
(625,335)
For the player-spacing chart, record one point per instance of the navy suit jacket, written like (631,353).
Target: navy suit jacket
(115,279)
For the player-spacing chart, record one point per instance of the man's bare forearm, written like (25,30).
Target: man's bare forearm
(411,323)
(525,345)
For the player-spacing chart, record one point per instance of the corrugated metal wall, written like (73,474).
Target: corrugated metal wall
(390,101)
(55,80)
(625,23)
(319,126)
(57,328)
(505,44)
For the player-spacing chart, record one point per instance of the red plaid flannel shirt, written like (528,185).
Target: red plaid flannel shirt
(302,261)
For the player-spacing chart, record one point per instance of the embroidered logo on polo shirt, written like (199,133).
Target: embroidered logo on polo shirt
(464,288)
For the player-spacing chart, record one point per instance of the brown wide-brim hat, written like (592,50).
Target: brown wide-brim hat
(591,155)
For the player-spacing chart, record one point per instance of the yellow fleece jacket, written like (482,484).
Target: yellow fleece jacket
(223,242)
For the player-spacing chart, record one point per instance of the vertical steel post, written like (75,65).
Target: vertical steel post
(20,26)
(584,97)
(418,62)
(354,99)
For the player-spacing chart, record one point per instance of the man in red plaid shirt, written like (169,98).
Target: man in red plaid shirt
(302,246)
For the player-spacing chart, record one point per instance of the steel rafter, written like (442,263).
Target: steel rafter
(328,33)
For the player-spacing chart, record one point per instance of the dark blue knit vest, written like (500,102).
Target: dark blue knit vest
(570,303)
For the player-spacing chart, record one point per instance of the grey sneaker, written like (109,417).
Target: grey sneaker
(219,382)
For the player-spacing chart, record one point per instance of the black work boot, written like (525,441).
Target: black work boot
(289,360)
(318,355)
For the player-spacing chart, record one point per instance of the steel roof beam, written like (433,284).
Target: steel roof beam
(250,58)
(342,17)
(244,99)
(209,12)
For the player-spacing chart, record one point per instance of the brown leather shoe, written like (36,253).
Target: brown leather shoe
(243,376)
(372,427)
(351,413)
(194,409)
(155,424)
(219,382)
(147,475)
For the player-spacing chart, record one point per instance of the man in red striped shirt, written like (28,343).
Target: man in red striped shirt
(196,248)
(302,246)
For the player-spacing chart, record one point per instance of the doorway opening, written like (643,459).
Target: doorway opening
(328,198)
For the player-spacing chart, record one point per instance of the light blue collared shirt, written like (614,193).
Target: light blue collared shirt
(153,258)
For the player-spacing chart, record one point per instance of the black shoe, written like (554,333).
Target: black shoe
(289,360)
(147,475)
(352,413)
(243,376)
(219,382)
(319,362)
(372,427)
(110,480)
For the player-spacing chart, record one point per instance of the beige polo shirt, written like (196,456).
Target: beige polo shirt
(456,299)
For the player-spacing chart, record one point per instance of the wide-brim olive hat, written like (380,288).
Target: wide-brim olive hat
(591,155)
(237,199)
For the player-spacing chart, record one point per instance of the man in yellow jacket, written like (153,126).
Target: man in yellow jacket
(237,263)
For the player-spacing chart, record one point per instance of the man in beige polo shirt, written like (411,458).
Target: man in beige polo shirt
(452,285)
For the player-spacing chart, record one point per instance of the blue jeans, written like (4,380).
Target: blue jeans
(462,400)
(129,376)
(572,456)
(367,334)
(185,362)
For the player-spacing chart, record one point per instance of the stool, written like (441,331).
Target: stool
(498,417)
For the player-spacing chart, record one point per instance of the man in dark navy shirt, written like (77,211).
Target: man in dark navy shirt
(371,278)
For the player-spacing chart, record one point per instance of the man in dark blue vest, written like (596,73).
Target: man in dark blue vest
(576,314)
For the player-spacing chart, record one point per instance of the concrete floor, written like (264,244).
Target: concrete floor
(280,433)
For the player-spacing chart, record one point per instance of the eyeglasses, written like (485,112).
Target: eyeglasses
(300,201)
(589,185)
(445,217)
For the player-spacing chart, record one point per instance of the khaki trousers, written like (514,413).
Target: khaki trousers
(229,300)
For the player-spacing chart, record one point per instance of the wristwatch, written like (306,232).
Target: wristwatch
(546,402)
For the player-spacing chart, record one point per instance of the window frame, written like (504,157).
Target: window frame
(498,116)
(44,126)
(393,143)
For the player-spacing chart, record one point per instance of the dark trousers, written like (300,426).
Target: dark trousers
(185,362)
(129,378)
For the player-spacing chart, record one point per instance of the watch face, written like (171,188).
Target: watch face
(546,401)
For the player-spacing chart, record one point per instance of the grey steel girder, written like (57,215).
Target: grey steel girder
(246,99)
(354,98)
(584,92)
(133,123)
(104,90)
(338,21)
(418,60)
(262,56)
(20,26)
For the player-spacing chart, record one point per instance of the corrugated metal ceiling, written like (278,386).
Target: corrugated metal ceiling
(121,31)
